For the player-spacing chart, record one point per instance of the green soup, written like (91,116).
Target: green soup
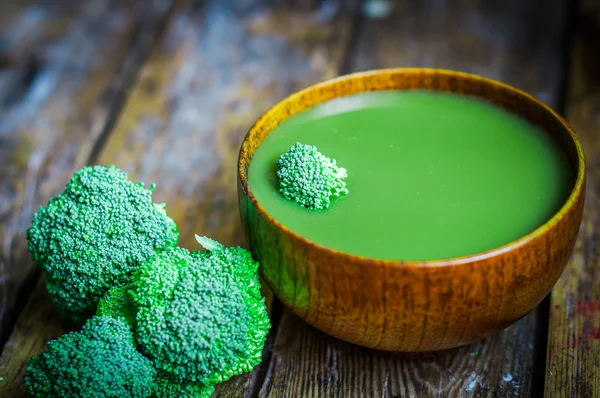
(430,175)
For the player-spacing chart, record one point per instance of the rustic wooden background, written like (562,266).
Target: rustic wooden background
(167,89)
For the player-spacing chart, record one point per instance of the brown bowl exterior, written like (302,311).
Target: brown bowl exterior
(412,306)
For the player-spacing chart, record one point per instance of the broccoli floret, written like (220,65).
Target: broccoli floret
(238,263)
(118,303)
(309,178)
(94,234)
(200,317)
(100,360)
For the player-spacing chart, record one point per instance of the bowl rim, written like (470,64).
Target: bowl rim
(574,195)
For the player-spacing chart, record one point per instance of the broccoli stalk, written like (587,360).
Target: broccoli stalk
(94,234)
(118,303)
(199,316)
(100,360)
(310,178)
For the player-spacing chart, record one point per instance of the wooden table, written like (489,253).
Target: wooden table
(167,90)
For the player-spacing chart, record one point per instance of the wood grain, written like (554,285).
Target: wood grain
(215,69)
(503,40)
(327,367)
(573,359)
(64,67)
(512,41)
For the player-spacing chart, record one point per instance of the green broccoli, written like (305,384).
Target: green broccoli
(118,303)
(309,178)
(168,386)
(100,360)
(94,234)
(200,317)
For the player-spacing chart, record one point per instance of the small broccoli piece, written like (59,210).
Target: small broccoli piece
(100,360)
(94,234)
(309,178)
(200,317)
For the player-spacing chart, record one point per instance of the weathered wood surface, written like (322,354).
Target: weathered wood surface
(516,42)
(217,66)
(573,362)
(63,68)
(307,362)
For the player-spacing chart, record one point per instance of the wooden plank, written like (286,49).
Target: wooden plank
(217,67)
(573,367)
(64,67)
(309,363)
(513,41)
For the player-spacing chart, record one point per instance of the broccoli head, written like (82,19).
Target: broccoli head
(100,360)
(200,317)
(94,234)
(310,178)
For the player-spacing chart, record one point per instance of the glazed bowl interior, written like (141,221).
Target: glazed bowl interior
(322,285)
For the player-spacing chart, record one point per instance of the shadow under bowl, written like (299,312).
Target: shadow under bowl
(412,305)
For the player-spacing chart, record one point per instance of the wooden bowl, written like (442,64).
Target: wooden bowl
(412,305)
